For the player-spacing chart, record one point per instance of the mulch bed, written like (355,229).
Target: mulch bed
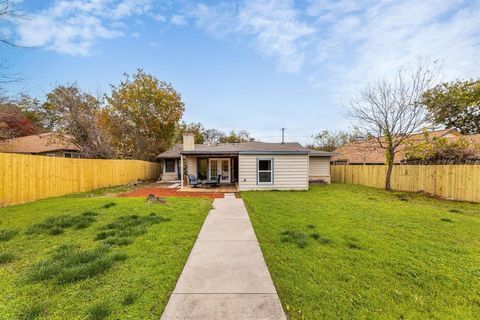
(169,192)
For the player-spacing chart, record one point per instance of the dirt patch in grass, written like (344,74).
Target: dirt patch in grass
(123,231)
(56,225)
(446,220)
(70,264)
(170,192)
(7,234)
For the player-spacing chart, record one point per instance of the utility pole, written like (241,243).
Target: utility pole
(283,135)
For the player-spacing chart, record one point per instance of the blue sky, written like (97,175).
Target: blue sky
(254,65)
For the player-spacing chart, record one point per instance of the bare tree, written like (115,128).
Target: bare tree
(6,13)
(81,115)
(389,111)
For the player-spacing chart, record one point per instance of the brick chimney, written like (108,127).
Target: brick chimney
(188,142)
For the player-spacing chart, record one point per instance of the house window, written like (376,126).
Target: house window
(71,155)
(169,165)
(265,171)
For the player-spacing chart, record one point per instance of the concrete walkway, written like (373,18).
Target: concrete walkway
(225,276)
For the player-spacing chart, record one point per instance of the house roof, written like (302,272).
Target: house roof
(369,151)
(39,143)
(252,147)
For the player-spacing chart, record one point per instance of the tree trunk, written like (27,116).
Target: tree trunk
(390,160)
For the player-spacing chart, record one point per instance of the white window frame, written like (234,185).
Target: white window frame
(271,170)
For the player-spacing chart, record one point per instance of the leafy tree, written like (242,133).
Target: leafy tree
(33,109)
(440,149)
(234,137)
(389,111)
(455,105)
(74,112)
(330,141)
(197,129)
(14,123)
(143,115)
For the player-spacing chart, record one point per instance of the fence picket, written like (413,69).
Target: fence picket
(27,177)
(457,182)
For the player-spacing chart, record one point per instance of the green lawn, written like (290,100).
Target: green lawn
(353,252)
(89,257)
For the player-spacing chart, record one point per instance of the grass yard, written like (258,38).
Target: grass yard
(94,257)
(353,252)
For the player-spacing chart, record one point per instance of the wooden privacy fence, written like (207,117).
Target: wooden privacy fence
(26,178)
(457,182)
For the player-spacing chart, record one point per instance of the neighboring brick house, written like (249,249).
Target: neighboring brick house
(370,152)
(50,144)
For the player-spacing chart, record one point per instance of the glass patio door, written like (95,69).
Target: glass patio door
(220,167)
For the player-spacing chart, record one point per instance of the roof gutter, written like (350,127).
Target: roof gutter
(274,152)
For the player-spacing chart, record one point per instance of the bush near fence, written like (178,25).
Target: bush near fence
(27,177)
(456,182)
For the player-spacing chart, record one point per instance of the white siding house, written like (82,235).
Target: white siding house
(249,165)
(289,172)
(319,169)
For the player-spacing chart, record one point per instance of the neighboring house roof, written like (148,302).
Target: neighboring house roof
(369,151)
(39,143)
(252,147)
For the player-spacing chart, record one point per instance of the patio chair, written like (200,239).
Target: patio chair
(215,182)
(193,181)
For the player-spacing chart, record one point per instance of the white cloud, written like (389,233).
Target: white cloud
(361,44)
(274,26)
(178,20)
(73,27)
(348,42)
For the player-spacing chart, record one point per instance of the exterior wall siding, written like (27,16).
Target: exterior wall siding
(319,169)
(290,172)
(191,165)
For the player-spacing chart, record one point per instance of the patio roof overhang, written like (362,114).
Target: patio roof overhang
(274,152)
